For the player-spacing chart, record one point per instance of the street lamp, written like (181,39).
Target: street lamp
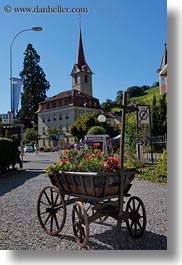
(102,118)
(11,66)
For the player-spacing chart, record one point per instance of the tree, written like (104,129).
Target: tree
(154,116)
(31,136)
(159,116)
(163,115)
(82,124)
(119,97)
(95,130)
(35,84)
(106,106)
(135,91)
(53,132)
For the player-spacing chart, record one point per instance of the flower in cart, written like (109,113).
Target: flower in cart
(85,161)
(112,164)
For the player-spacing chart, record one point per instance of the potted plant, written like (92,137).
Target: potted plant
(88,172)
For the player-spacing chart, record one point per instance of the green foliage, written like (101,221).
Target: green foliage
(147,96)
(131,161)
(130,131)
(52,132)
(95,130)
(154,116)
(135,91)
(156,172)
(161,169)
(119,97)
(82,124)
(159,115)
(31,136)
(35,84)
(9,154)
(106,106)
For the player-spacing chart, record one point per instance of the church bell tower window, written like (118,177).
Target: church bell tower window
(86,78)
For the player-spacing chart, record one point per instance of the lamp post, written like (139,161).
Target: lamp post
(11,67)
(102,119)
(11,85)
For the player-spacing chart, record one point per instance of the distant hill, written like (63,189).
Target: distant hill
(147,97)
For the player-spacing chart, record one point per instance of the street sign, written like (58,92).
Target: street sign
(143,114)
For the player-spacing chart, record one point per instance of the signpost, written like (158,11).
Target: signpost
(144,118)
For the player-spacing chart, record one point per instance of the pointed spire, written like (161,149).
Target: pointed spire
(164,59)
(81,57)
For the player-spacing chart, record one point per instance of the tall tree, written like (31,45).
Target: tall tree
(35,84)
(154,116)
(119,97)
(163,114)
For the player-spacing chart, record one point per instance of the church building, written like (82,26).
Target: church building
(62,110)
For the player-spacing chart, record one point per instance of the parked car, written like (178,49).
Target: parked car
(28,149)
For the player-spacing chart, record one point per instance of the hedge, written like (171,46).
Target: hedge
(9,154)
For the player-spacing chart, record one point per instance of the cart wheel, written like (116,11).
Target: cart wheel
(51,210)
(80,224)
(136,221)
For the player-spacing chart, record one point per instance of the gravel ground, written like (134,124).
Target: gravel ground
(20,229)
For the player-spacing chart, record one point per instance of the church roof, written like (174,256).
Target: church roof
(81,57)
(164,60)
(81,65)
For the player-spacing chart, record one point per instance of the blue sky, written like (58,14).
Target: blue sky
(123,43)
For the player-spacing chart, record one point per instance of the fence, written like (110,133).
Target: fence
(151,149)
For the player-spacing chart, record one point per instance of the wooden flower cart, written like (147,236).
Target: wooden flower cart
(95,196)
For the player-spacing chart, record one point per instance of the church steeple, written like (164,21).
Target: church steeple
(81,56)
(81,73)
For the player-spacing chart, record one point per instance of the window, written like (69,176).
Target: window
(67,127)
(43,119)
(76,80)
(86,78)
(60,103)
(48,106)
(54,117)
(43,130)
(54,104)
(48,119)
(67,115)
(66,102)
(60,116)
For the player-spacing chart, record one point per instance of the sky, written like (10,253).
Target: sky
(123,42)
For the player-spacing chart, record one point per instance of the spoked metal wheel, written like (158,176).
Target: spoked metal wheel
(80,224)
(51,210)
(136,221)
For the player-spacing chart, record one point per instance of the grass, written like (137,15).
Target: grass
(147,97)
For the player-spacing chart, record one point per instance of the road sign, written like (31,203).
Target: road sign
(143,114)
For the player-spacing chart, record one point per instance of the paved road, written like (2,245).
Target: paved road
(20,229)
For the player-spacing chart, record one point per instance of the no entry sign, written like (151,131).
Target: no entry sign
(143,114)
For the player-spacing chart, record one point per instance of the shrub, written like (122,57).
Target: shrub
(9,154)
(161,169)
